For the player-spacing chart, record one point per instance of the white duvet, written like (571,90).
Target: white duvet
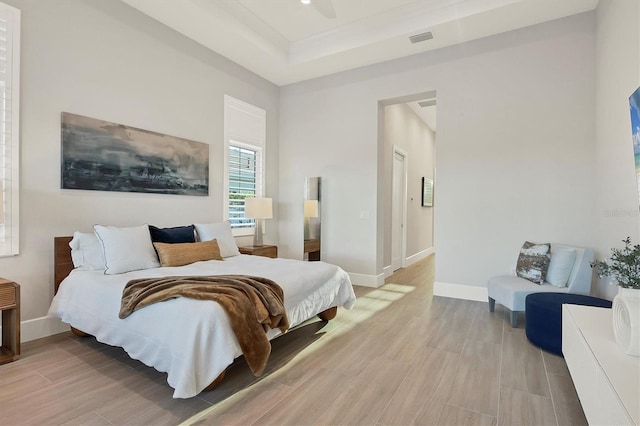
(191,340)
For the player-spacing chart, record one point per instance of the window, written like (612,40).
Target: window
(245,134)
(9,126)
(245,180)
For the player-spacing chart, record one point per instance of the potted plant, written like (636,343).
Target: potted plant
(624,267)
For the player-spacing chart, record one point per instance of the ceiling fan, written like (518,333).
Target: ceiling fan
(325,7)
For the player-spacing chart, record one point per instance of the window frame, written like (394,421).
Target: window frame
(244,127)
(10,137)
(259,182)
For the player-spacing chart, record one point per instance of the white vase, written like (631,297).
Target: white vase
(626,320)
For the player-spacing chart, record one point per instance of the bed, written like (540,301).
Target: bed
(190,340)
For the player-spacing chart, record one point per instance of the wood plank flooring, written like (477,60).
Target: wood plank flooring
(400,357)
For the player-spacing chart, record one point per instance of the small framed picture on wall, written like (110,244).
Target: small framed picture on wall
(427,192)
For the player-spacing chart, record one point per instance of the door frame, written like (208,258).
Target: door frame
(405,179)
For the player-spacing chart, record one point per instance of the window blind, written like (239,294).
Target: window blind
(245,164)
(9,126)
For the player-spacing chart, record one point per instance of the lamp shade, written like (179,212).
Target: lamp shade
(258,208)
(310,208)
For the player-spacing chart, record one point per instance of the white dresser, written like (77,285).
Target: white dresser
(607,380)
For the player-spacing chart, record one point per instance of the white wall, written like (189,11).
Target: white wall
(105,60)
(618,75)
(404,129)
(515,152)
(516,147)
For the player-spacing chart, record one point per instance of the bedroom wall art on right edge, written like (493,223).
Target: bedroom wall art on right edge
(634,101)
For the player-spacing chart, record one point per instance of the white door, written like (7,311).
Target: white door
(398,203)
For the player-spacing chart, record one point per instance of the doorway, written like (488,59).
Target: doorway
(406,131)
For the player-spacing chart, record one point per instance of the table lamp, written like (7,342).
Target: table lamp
(258,209)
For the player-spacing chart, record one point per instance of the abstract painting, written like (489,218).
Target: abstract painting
(634,103)
(103,156)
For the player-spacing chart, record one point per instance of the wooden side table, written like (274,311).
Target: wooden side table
(10,311)
(312,248)
(265,251)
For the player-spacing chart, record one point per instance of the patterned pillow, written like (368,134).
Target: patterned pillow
(533,262)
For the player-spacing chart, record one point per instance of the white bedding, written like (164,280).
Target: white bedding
(192,340)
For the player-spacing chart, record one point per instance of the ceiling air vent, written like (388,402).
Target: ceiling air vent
(428,103)
(421,37)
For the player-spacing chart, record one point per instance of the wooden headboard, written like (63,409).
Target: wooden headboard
(62,263)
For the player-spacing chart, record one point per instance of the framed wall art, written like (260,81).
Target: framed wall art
(634,107)
(427,192)
(103,156)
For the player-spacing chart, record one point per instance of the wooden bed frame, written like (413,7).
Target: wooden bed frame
(63,265)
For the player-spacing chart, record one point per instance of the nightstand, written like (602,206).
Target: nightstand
(312,247)
(266,251)
(10,311)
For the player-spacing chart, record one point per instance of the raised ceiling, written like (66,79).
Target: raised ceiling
(285,41)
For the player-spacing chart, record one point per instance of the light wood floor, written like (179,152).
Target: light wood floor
(401,356)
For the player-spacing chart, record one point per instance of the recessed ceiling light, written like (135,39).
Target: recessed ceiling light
(305,1)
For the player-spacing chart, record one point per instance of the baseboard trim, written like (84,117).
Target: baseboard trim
(387,271)
(460,291)
(419,256)
(40,327)
(364,280)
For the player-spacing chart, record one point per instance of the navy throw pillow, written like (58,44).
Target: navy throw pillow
(178,234)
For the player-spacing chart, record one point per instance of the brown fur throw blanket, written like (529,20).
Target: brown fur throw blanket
(253,305)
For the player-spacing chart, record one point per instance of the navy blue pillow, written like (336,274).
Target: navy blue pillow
(178,234)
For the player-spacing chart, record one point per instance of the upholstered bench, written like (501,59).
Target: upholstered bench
(544,317)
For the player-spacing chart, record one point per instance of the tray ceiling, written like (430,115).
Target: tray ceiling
(285,41)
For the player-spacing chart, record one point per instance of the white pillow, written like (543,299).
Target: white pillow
(219,231)
(86,252)
(560,267)
(126,249)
